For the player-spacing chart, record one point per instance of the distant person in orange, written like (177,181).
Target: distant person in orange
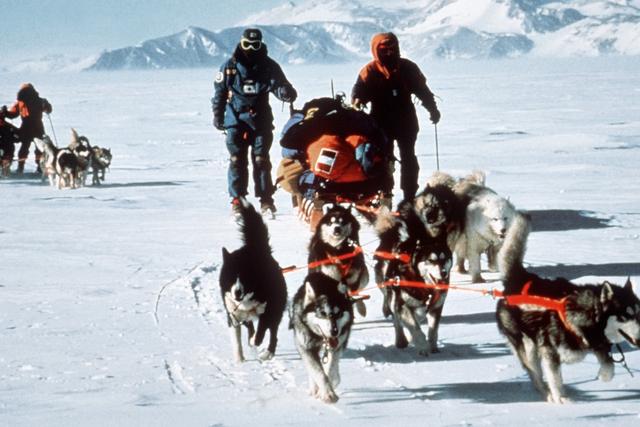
(387,83)
(30,107)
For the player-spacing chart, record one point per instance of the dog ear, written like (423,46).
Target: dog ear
(225,254)
(74,135)
(607,293)
(628,286)
(309,293)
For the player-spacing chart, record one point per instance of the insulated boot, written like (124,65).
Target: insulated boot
(6,167)
(268,209)
(236,209)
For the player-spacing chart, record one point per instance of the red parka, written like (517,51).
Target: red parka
(388,85)
(30,107)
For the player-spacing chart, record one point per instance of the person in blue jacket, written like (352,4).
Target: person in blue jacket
(241,107)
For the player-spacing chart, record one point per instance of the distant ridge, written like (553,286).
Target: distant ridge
(336,31)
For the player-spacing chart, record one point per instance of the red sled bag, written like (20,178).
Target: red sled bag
(333,157)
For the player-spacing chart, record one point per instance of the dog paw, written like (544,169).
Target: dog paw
(401,342)
(423,352)
(239,358)
(560,400)
(606,372)
(329,396)
(313,390)
(265,355)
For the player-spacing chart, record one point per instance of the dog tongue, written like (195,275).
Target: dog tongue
(333,342)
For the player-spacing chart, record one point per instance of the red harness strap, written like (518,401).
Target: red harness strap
(559,306)
(393,256)
(337,260)
(327,261)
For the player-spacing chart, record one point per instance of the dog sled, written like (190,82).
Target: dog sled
(333,154)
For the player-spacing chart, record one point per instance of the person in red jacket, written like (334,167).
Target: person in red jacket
(30,107)
(387,83)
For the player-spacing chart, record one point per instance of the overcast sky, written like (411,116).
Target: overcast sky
(33,28)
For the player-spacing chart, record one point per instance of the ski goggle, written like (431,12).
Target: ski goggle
(247,44)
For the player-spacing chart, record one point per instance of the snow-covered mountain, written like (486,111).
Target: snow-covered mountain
(333,31)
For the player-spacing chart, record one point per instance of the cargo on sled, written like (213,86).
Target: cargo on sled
(334,154)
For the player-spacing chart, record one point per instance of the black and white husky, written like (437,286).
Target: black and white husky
(583,318)
(411,264)
(252,285)
(100,163)
(335,250)
(321,318)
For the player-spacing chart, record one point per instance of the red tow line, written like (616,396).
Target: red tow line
(329,260)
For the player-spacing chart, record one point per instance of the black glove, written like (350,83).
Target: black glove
(434,116)
(3,110)
(218,122)
(287,93)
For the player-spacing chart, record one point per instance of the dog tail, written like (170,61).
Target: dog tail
(512,252)
(441,178)
(255,234)
(384,220)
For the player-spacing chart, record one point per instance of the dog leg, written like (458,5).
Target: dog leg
(332,368)
(379,273)
(319,385)
(551,368)
(417,336)
(473,255)
(433,320)
(530,359)
(250,331)
(492,257)
(401,339)
(606,371)
(236,343)
(273,342)
(256,340)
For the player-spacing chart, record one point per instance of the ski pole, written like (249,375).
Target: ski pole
(435,128)
(52,129)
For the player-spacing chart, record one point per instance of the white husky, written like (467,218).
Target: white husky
(487,218)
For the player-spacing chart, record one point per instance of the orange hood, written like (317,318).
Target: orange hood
(387,41)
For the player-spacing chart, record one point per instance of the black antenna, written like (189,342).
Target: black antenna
(333,95)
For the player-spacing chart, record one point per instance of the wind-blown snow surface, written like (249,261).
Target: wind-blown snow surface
(109,307)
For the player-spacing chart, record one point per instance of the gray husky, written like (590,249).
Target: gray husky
(582,319)
(321,318)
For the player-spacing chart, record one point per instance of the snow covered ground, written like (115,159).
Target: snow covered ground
(109,308)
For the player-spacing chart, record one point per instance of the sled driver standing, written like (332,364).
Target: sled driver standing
(241,107)
(387,83)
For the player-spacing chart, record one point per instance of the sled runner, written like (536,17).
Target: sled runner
(333,154)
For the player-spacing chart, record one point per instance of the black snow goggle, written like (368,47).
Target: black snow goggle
(247,44)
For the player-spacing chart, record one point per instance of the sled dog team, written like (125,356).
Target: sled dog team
(69,166)
(546,322)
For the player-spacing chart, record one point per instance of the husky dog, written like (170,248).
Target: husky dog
(100,162)
(252,285)
(321,319)
(412,256)
(439,209)
(486,219)
(81,147)
(336,235)
(48,158)
(588,318)
(66,165)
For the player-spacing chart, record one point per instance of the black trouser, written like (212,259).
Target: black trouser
(409,167)
(26,138)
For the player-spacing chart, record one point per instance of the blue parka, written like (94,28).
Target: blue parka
(241,91)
